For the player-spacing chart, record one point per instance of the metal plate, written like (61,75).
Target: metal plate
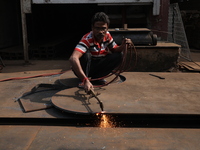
(75,100)
(140,93)
(69,79)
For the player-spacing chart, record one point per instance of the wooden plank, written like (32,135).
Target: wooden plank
(190,66)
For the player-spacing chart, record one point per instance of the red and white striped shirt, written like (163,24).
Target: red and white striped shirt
(97,49)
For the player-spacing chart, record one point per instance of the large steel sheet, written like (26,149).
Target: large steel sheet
(141,93)
(82,138)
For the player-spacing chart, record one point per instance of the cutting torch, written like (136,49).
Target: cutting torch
(92,94)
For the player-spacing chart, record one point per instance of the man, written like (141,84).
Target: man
(96,55)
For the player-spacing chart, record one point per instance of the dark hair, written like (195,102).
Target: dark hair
(100,16)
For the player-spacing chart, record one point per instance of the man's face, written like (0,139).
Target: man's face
(99,30)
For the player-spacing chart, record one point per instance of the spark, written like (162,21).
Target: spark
(106,121)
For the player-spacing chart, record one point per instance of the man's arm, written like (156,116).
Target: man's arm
(76,66)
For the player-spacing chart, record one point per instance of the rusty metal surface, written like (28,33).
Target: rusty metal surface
(180,90)
(30,106)
(76,100)
(17,137)
(69,79)
(140,93)
(51,138)
(13,89)
(176,93)
(161,93)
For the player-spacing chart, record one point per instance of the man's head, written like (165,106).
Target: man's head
(100,23)
(100,16)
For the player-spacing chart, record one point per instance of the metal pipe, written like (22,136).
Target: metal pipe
(24,33)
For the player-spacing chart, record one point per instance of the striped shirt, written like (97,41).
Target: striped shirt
(97,49)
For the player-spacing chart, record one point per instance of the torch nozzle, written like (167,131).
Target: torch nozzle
(101,105)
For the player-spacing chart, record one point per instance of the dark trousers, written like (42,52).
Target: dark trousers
(99,67)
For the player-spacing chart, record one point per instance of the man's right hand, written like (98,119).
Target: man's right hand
(88,85)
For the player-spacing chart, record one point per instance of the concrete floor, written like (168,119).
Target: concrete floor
(151,95)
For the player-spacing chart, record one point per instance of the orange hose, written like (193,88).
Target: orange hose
(121,68)
(118,71)
(40,75)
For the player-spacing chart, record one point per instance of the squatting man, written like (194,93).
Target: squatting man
(96,54)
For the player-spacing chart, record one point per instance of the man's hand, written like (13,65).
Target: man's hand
(88,86)
(127,42)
